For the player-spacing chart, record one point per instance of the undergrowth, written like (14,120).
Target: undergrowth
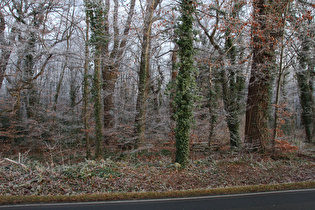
(147,173)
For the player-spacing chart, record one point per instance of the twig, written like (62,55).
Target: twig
(18,163)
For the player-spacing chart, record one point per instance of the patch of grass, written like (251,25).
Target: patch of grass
(166,152)
(90,169)
(6,200)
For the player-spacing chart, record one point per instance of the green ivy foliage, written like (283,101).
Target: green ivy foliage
(96,12)
(185,82)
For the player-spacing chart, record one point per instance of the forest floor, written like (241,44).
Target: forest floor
(151,171)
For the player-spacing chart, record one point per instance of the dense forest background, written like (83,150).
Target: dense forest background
(94,77)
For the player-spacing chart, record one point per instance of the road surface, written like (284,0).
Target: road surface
(292,199)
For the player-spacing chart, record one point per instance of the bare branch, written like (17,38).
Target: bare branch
(211,36)
(307,3)
(15,162)
(158,56)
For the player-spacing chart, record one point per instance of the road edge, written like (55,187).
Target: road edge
(129,196)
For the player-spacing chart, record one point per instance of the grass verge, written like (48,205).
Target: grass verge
(7,200)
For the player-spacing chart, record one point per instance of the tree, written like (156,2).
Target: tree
(32,16)
(96,13)
(305,80)
(266,30)
(279,82)
(68,36)
(231,76)
(306,74)
(5,51)
(185,92)
(85,96)
(144,72)
(113,60)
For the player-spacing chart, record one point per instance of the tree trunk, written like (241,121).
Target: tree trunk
(144,73)
(109,75)
(26,63)
(65,64)
(174,74)
(185,82)
(97,106)
(266,30)
(58,88)
(86,91)
(111,65)
(304,78)
(5,52)
(231,79)
(235,82)
(97,17)
(213,116)
(232,87)
(29,98)
(278,90)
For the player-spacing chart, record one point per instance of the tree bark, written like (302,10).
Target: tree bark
(305,82)
(97,106)
(97,15)
(278,87)
(112,63)
(144,73)
(232,87)
(86,91)
(265,34)
(231,79)
(5,51)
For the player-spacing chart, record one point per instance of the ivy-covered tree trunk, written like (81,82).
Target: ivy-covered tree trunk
(109,74)
(213,98)
(144,73)
(230,76)
(85,97)
(232,86)
(184,98)
(266,30)
(97,105)
(233,81)
(305,78)
(96,13)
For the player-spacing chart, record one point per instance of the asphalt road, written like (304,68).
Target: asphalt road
(293,199)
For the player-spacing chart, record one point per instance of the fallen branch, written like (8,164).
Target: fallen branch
(18,163)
